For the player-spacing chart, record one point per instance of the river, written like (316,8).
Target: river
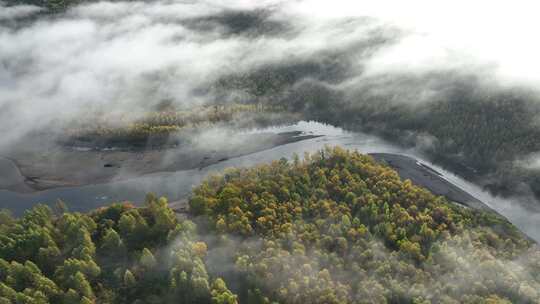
(177,185)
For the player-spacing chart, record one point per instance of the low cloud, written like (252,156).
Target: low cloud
(8,13)
(129,56)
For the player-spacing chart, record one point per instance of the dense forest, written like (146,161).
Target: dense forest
(118,254)
(481,136)
(340,228)
(335,227)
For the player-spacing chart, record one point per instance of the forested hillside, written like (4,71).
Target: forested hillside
(340,228)
(335,227)
(484,137)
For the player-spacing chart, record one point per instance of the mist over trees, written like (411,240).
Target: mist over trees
(167,126)
(339,228)
(473,127)
(53,6)
(335,227)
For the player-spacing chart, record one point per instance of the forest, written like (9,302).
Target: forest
(117,254)
(332,227)
(168,125)
(106,91)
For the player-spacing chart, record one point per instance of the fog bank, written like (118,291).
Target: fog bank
(130,56)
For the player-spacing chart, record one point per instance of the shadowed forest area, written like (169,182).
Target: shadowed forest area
(487,134)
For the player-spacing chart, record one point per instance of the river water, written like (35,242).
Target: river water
(177,185)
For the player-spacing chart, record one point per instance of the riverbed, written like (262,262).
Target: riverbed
(177,185)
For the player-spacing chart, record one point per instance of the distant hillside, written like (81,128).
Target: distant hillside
(478,130)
